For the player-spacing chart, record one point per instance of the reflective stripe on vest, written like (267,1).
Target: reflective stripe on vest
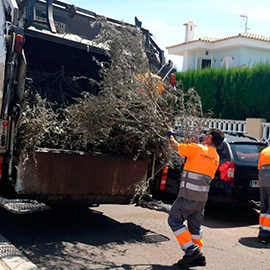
(183,237)
(194,186)
(264,175)
(196,176)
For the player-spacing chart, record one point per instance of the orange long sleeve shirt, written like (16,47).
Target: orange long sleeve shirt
(201,159)
(264,157)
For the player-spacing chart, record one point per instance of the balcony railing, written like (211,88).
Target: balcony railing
(265,132)
(222,124)
(227,125)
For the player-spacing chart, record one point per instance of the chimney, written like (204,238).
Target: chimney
(190,27)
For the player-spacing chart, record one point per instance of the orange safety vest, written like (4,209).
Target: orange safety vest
(264,157)
(199,169)
(201,159)
(264,179)
(264,167)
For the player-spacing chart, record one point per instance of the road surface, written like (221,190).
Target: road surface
(129,237)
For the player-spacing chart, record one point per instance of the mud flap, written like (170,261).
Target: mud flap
(22,206)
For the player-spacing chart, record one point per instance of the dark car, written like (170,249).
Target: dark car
(236,180)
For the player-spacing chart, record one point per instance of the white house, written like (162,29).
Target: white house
(241,50)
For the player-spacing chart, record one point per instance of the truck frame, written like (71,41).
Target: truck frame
(56,35)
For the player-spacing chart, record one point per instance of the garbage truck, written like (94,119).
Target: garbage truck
(56,36)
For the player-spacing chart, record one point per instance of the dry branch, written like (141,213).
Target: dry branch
(130,115)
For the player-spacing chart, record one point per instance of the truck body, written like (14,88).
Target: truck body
(54,36)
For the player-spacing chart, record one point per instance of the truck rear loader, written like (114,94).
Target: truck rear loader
(57,37)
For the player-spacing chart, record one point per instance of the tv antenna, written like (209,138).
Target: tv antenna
(245,17)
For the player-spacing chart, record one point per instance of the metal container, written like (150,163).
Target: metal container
(75,177)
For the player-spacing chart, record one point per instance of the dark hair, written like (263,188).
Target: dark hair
(217,136)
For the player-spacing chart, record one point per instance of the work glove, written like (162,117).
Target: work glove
(170,132)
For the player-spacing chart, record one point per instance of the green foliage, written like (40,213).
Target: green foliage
(235,93)
(207,84)
(130,115)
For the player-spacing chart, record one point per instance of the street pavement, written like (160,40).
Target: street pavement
(11,258)
(127,237)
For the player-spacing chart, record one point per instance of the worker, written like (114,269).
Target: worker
(264,181)
(201,164)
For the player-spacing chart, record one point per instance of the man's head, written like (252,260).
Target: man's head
(214,136)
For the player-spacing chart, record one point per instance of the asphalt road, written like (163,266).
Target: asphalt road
(129,237)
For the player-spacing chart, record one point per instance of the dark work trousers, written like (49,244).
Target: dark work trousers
(265,213)
(193,212)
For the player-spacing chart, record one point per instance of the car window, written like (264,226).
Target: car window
(247,152)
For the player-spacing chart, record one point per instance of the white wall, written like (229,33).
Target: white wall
(241,57)
(253,56)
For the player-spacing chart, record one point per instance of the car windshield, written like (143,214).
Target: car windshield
(247,152)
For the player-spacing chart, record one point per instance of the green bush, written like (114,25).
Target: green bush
(235,93)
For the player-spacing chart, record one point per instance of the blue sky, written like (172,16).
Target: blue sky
(165,19)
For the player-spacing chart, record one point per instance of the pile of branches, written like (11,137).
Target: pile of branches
(130,115)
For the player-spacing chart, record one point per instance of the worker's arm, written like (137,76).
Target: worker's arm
(183,149)
(173,142)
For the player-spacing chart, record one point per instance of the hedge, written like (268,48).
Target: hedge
(234,93)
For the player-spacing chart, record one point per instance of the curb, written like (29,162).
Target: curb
(12,259)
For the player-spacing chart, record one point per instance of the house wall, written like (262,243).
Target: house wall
(252,56)
(254,127)
(190,60)
(241,57)
(218,56)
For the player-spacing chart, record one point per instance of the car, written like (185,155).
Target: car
(236,180)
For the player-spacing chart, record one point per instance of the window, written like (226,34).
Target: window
(205,62)
(247,152)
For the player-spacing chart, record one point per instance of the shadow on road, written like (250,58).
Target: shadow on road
(149,267)
(76,238)
(217,216)
(152,267)
(73,238)
(253,242)
(72,223)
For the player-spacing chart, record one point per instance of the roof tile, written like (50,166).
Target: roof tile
(244,35)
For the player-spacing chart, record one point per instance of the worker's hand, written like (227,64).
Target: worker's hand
(171,133)
(173,142)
